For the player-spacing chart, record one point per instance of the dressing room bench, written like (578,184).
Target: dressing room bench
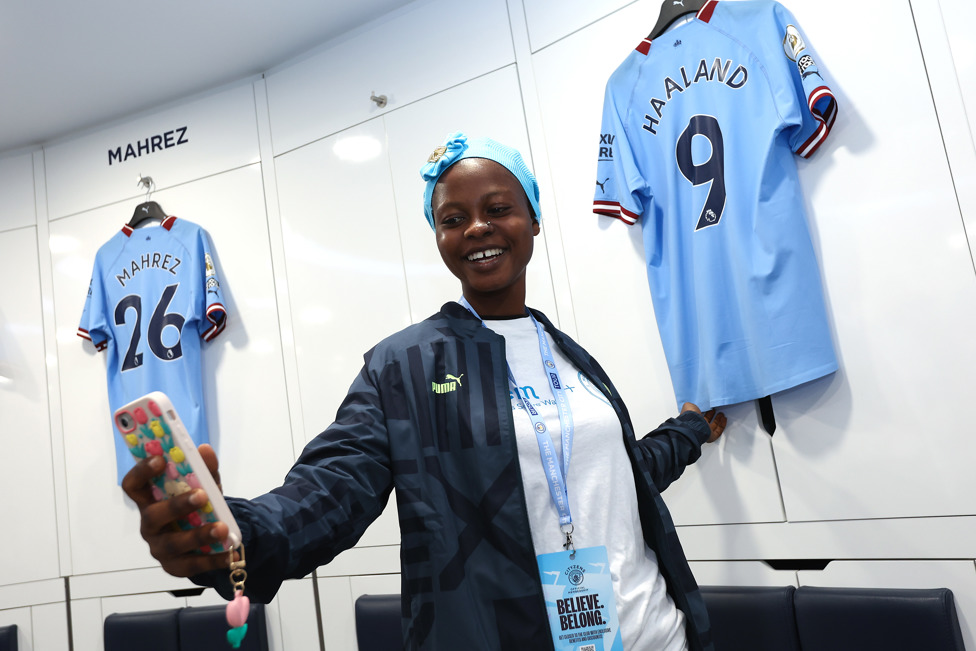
(181,629)
(771,619)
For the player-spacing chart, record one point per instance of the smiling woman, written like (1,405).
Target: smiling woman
(490,508)
(485,230)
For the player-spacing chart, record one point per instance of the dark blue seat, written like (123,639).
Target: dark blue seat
(854,619)
(752,618)
(8,638)
(154,630)
(378,622)
(205,629)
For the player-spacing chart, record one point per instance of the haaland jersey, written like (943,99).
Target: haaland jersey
(699,132)
(154,294)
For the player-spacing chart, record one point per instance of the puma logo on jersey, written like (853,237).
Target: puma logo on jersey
(678,2)
(603,189)
(450,384)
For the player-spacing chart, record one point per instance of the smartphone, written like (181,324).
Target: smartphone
(150,426)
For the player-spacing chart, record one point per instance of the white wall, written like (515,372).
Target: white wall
(323,252)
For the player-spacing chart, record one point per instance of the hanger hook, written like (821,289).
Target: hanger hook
(148,183)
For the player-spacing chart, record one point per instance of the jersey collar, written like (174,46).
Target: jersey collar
(704,14)
(166,223)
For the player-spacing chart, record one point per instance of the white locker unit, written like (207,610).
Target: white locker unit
(38,610)
(898,279)
(736,573)
(30,515)
(312,195)
(242,368)
(735,480)
(338,605)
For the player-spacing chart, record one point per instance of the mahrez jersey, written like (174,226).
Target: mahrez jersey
(700,129)
(154,295)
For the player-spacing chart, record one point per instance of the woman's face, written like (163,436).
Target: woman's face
(489,260)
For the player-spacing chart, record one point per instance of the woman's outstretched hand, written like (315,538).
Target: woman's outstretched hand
(176,550)
(716,421)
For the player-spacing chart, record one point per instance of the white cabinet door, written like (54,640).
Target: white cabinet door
(17,190)
(345,269)
(550,20)
(420,50)
(489,106)
(882,438)
(29,544)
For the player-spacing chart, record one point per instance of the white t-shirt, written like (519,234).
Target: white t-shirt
(602,494)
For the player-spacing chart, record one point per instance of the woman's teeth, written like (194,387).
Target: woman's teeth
(479,255)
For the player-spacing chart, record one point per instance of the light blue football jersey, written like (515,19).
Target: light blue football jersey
(700,129)
(154,295)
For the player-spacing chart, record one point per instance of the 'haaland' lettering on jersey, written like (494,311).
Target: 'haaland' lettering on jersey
(154,260)
(717,72)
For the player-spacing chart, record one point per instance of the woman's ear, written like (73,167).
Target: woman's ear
(536,228)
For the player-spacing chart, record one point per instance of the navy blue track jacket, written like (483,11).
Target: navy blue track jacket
(469,578)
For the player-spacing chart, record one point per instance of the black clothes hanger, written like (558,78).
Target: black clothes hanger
(672,10)
(147,209)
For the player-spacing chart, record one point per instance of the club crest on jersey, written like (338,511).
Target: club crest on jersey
(793,43)
(211,274)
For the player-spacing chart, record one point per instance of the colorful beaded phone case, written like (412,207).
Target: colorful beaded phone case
(151,427)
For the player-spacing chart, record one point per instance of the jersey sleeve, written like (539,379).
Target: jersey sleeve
(619,184)
(818,108)
(213,298)
(94,326)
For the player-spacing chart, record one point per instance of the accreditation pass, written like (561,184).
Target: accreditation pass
(580,601)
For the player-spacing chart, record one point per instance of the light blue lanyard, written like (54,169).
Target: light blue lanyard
(555,475)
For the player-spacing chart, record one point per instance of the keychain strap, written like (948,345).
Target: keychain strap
(240,607)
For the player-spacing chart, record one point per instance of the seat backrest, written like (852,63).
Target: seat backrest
(152,630)
(204,628)
(854,619)
(378,622)
(752,618)
(8,638)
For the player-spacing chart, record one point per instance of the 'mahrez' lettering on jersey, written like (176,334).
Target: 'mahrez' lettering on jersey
(154,260)
(718,71)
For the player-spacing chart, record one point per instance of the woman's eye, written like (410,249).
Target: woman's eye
(498,210)
(450,220)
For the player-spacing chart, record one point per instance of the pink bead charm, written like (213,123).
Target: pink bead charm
(238,609)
